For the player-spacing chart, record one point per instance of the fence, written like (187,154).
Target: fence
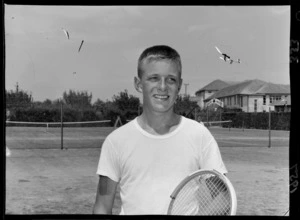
(57,135)
(261,120)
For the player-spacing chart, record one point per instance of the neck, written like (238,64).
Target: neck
(159,123)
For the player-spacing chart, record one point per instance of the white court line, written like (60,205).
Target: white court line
(241,143)
(49,133)
(251,138)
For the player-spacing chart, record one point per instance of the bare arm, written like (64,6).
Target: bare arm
(105,196)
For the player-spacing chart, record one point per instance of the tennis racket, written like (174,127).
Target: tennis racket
(204,192)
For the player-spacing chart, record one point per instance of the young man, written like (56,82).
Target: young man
(150,155)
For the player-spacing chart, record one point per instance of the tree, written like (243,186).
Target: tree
(18,99)
(47,102)
(184,106)
(79,99)
(100,107)
(127,104)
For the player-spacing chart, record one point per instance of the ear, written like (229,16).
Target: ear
(138,85)
(180,84)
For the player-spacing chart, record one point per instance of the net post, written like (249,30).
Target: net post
(61,126)
(243,120)
(269,146)
(117,121)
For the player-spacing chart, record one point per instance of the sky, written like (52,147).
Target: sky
(45,63)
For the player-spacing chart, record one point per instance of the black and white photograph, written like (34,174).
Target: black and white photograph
(148,110)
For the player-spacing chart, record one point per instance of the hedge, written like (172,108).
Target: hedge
(54,115)
(279,120)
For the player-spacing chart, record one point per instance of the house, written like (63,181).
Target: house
(208,91)
(252,95)
(283,105)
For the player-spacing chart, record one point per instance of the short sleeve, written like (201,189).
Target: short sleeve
(210,154)
(109,161)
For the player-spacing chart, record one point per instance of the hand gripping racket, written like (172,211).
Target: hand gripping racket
(204,192)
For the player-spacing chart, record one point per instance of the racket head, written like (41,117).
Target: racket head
(204,192)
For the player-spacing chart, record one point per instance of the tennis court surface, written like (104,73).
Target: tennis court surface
(43,179)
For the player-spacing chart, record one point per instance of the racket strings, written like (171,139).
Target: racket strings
(187,199)
(215,185)
(205,195)
(220,195)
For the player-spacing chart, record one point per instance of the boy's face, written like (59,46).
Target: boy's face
(160,84)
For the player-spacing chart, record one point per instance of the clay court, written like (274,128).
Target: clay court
(43,179)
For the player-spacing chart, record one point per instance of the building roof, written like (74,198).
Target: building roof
(251,87)
(215,86)
(270,88)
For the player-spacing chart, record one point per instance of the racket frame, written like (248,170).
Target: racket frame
(226,181)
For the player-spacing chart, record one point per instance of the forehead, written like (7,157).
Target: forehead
(161,67)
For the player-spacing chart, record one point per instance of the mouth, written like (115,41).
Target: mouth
(161,97)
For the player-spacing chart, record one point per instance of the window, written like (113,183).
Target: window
(275,98)
(255,105)
(241,101)
(264,100)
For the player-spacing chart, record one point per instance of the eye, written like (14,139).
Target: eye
(153,78)
(172,80)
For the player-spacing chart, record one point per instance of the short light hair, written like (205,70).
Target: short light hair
(159,52)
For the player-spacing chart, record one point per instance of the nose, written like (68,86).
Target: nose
(162,85)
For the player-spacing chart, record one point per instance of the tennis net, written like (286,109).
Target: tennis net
(57,135)
(223,124)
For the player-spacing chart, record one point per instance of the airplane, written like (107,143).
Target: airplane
(226,57)
(236,61)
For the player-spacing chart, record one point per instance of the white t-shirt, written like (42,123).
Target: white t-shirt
(149,167)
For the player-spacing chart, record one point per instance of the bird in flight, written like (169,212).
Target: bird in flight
(226,57)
